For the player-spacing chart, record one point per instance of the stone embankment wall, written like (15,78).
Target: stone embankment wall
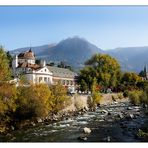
(80,101)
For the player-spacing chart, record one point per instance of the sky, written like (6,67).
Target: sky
(107,27)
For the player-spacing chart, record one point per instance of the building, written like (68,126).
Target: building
(64,76)
(24,64)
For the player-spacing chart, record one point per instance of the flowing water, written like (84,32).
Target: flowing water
(114,123)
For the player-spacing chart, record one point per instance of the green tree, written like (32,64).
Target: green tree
(104,68)
(130,80)
(9,57)
(4,66)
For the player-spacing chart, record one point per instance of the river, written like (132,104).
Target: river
(118,122)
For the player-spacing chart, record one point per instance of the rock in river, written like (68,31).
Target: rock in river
(39,120)
(87,130)
(83,137)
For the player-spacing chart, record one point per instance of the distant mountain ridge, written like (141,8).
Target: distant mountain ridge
(75,51)
(131,58)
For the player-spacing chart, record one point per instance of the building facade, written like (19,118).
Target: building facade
(24,64)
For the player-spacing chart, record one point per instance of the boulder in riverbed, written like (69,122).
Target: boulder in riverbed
(83,137)
(39,120)
(129,108)
(104,111)
(131,116)
(120,116)
(87,130)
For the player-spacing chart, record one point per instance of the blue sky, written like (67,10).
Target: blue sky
(105,26)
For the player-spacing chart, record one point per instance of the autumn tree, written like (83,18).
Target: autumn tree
(59,99)
(130,80)
(104,68)
(33,101)
(8,96)
(4,66)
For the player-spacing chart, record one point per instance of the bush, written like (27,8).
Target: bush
(114,98)
(96,96)
(135,97)
(59,98)
(33,101)
(144,96)
(90,102)
(79,102)
(8,96)
(125,93)
(94,100)
(120,96)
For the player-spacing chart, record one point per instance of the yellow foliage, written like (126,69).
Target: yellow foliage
(59,99)
(33,101)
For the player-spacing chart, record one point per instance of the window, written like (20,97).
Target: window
(67,82)
(40,79)
(45,79)
(63,82)
(45,70)
(71,82)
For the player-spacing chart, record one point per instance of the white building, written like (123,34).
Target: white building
(24,64)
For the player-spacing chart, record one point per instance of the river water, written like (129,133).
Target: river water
(118,122)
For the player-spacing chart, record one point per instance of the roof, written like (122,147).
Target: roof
(28,65)
(27,55)
(61,72)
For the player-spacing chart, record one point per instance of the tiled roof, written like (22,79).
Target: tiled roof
(61,72)
(28,65)
(27,55)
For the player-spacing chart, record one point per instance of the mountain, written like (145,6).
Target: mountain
(37,50)
(131,58)
(72,51)
(75,51)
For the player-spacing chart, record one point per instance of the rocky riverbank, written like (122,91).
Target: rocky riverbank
(117,122)
(77,107)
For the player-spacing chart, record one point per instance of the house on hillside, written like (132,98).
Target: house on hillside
(24,64)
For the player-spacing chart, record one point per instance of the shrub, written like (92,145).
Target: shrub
(79,102)
(120,96)
(126,93)
(32,101)
(143,134)
(135,97)
(144,96)
(94,100)
(59,98)
(114,98)
(8,95)
(96,96)
(90,102)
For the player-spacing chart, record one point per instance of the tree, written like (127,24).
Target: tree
(130,79)
(104,68)
(9,58)
(8,96)
(4,66)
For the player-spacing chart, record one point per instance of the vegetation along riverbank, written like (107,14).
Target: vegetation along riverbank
(101,81)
